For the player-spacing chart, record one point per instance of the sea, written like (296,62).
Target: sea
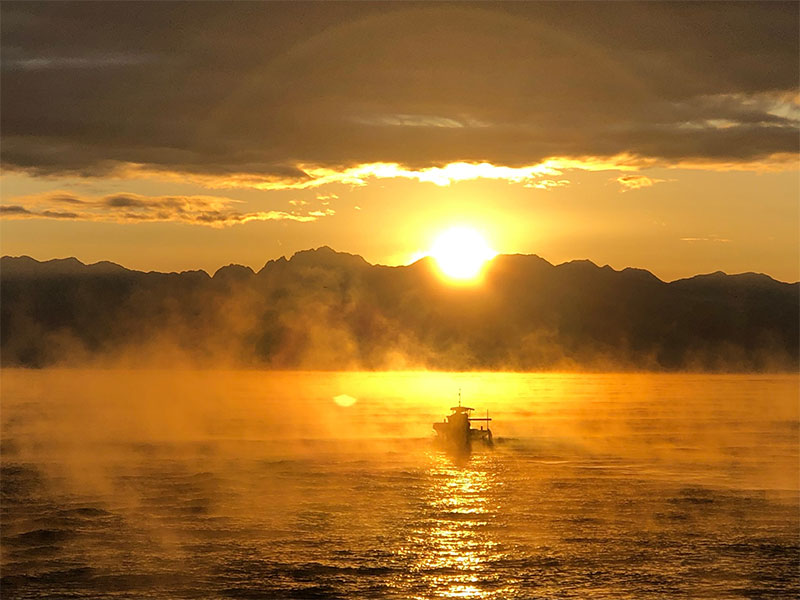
(182,483)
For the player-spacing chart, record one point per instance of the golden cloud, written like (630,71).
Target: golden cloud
(540,175)
(637,182)
(213,211)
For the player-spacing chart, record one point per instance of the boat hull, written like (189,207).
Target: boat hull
(461,438)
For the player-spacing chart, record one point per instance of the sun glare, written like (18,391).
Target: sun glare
(461,253)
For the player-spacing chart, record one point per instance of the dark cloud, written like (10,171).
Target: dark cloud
(14,210)
(58,214)
(265,88)
(123,201)
(66,199)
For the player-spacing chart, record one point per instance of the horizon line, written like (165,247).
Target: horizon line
(418,260)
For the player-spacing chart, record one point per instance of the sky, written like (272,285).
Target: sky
(176,136)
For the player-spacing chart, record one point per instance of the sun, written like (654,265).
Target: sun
(461,253)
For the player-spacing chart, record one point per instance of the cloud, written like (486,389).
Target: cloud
(400,120)
(133,208)
(637,182)
(57,214)
(312,176)
(76,62)
(271,88)
(14,210)
(712,238)
(547,184)
(441,176)
(322,213)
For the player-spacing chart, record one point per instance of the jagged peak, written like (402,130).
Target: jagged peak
(107,266)
(578,263)
(26,265)
(196,273)
(716,275)
(749,277)
(271,263)
(423,260)
(508,264)
(643,274)
(587,265)
(234,271)
(22,259)
(520,257)
(323,251)
(326,256)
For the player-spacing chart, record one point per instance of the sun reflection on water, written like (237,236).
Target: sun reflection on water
(451,551)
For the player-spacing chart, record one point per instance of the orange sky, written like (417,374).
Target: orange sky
(569,131)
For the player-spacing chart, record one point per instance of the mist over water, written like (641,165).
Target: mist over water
(251,484)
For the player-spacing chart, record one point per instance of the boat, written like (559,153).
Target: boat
(456,433)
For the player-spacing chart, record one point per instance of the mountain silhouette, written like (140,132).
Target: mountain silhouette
(323,309)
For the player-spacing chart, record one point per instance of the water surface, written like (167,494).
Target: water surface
(186,484)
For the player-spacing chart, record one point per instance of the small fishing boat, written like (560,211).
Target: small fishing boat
(455,431)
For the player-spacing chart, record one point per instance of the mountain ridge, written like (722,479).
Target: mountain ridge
(321,309)
(304,255)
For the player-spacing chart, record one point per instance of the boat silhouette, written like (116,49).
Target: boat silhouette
(456,433)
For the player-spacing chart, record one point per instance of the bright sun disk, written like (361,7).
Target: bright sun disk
(461,253)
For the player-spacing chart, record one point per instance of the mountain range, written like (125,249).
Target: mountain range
(323,309)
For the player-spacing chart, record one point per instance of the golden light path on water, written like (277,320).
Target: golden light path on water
(453,548)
